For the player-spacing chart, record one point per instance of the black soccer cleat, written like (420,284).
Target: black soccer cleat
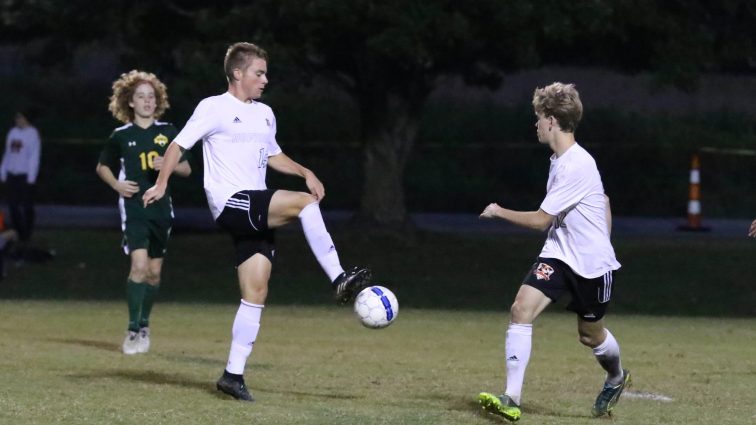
(234,388)
(350,283)
(609,396)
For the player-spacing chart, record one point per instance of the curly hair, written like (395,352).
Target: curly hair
(560,101)
(123,92)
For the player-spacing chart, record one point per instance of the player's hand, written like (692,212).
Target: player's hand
(157,163)
(153,194)
(491,211)
(126,188)
(315,186)
(752,229)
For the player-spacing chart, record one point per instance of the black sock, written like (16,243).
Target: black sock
(233,376)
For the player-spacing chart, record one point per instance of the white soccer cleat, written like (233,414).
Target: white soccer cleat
(130,344)
(143,340)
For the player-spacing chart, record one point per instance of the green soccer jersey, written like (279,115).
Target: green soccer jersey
(129,153)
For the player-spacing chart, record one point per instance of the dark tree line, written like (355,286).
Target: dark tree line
(388,56)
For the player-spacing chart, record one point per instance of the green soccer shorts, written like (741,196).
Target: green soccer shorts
(152,235)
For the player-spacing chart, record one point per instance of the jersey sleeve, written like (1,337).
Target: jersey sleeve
(273,148)
(201,124)
(566,191)
(110,156)
(172,132)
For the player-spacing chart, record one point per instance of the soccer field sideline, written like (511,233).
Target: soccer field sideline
(60,363)
(199,218)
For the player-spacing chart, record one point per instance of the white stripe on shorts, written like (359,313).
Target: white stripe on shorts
(238,204)
(605,292)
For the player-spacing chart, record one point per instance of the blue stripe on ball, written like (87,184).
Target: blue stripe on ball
(385,301)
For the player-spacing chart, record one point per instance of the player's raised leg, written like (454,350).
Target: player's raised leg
(254,275)
(287,205)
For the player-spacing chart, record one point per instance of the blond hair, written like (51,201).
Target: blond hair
(561,101)
(123,92)
(238,56)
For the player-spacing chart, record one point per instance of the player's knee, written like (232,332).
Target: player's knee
(305,199)
(519,312)
(153,278)
(255,294)
(589,340)
(138,272)
(296,203)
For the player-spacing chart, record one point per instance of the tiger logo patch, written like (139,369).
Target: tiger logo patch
(543,271)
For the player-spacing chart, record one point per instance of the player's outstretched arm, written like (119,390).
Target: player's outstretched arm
(183,169)
(538,220)
(170,161)
(283,164)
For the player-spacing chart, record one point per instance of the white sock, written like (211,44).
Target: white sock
(608,356)
(243,336)
(320,240)
(517,349)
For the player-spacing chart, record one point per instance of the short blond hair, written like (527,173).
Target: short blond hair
(123,92)
(561,101)
(239,55)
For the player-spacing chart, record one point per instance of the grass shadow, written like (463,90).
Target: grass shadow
(342,396)
(102,345)
(471,405)
(530,409)
(152,377)
(536,409)
(115,347)
(203,361)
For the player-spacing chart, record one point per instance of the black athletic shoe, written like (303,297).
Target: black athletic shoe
(350,283)
(234,388)
(609,396)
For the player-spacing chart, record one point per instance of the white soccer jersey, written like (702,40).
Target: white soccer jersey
(575,195)
(238,139)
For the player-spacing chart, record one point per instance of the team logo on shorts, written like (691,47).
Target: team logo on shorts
(161,140)
(543,271)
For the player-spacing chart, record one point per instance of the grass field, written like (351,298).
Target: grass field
(60,364)
(689,274)
(683,312)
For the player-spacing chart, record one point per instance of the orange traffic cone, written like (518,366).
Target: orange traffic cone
(694,197)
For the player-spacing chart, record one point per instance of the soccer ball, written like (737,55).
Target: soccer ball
(376,307)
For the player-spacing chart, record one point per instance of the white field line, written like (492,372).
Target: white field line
(647,396)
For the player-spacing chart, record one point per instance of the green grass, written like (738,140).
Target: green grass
(687,274)
(314,364)
(60,364)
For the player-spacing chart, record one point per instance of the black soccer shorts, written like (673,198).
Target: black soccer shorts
(590,297)
(245,218)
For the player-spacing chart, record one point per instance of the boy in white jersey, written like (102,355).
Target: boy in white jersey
(239,143)
(577,257)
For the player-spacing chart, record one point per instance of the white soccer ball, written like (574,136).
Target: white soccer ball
(376,307)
